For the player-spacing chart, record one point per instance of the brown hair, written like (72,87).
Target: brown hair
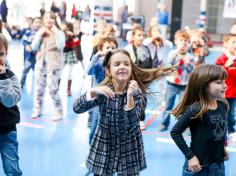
(137,28)
(108,28)
(197,88)
(3,42)
(158,41)
(104,40)
(182,33)
(69,26)
(227,37)
(144,77)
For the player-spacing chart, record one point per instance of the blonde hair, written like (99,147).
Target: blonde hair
(144,77)
(227,37)
(182,33)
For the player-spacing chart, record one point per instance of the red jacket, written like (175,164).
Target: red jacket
(231,80)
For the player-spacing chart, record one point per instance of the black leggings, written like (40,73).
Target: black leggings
(96,175)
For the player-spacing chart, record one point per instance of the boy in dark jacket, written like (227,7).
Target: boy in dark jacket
(10,95)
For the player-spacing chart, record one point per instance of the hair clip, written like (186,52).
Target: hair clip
(107,58)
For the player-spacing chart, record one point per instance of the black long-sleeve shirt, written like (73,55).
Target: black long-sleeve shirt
(207,134)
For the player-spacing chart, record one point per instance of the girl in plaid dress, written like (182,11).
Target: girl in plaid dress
(118,145)
(70,58)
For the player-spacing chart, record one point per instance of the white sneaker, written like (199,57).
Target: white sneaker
(36,114)
(58,116)
(142,125)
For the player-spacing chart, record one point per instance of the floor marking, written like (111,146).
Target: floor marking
(31,125)
(150,120)
(165,140)
(231,149)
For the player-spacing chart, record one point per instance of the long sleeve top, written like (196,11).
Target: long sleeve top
(117,144)
(97,69)
(183,68)
(49,49)
(207,134)
(27,40)
(10,95)
(141,56)
(231,70)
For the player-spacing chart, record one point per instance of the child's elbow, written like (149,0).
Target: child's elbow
(77,109)
(11,102)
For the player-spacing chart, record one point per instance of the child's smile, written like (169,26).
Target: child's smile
(120,67)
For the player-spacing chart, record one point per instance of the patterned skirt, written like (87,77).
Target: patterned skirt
(70,58)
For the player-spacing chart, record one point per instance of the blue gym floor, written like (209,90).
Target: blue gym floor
(48,148)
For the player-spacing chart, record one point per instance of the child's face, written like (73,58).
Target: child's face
(230,46)
(138,37)
(155,32)
(233,29)
(216,89)
(36,24)
(120,68)
(63,27)
(3,54)
(48,20)
(76,26)
(29,22)
(182,43)
(108,46)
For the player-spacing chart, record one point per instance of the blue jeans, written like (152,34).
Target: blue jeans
(9,154)
(28,64)
(215,169)
(95,116)
(171,92)
(231,114)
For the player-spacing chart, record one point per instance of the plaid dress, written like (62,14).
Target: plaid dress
(70,57)
(117,145)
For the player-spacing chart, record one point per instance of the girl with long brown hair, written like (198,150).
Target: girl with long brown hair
(117,145)
(204,110)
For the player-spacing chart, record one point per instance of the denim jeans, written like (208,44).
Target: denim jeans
(215,169)
(231,114)
(28,64)
(9,154)
(95,116)
(171,92)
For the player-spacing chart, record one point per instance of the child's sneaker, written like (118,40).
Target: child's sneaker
(58,116)
(36,114)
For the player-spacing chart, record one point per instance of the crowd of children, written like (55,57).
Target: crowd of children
(118,96)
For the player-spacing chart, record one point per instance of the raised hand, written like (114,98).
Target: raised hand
(102,90)
(133,87)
